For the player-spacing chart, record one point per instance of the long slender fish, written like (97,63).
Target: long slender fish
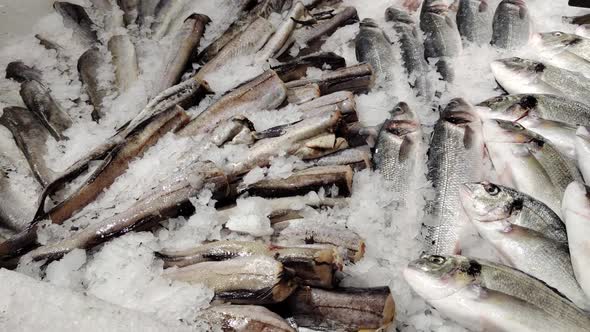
(559,41)
(511,25)
(576,213)
(442,40)
(474,21)
(583,152)
(165,201)
(522,242)
(30,136)
(284,31)
(374,47)
(412,50)
(89,67)
(358,78)
(297,68)
(399,149)
(235,317)
(529,163)
(266,91)
(75,18)
(455,157)
(38,99)
(124,60)
(483,295)
(13,215)
(303,94)
(517,75)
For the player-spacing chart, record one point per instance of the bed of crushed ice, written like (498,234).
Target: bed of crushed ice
(120,284)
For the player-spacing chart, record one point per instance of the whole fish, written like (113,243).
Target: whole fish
(184,44)
(516,75)
(358,158)
(583,152)
(529,163)
(358,78)
(18,71)
(124,60)
(399,149)
(297,68)
(164,201)
(75,17)
(374,47)
(548,47)
(266,91)
(284,31)
(130,10)
(245,44)
(90,65)
(256,279)
(30,136)
(455,157)
(511,25)
(558,41)
(442,40)
(412,50)
(344,309)
(483,295)
(236,318)
(544,106)
(38,99)
(576,213)
(474,21)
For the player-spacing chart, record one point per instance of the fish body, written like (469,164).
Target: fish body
(283,33)
(89,67)
(125,61)
(583,152)
(297,68)
(302,94)
(511,25)
(234,318)
(166,13)
(38,99)
(13,214)
(558,41)
(474,21)
(374,47)
(455,157)
(75,17)
(20,72)
(358,78)
(483,295)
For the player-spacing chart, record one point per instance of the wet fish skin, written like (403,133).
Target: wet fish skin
(559,57)
(583,152)
(479,294)
(358,158)
(511,25)
(18,71)
(30,136)
(358,78)
(455,157)
(283,33)
(374,47)
(125,61)
(236,130)
(89,66)
(412,50)
(75,18)
(166,12)
(165,201)
(576,212)
(13,216)
(245,317)
(474,21)
(559,41)
(399,148)
(344,309)
(297,68)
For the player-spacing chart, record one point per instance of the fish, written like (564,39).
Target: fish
(304,231)
(523,76)
(372,46)
(183,46)
(576,215)
(511,27)
(551,51)
(38,99)
(13,215)
(358,158)
(455,156)
(30,136)
(89,68)
(166,200)
(399,149)
(146,12)
(76,18)
(304,181)
(474,21)
(256,279)
(166,13)
(442,40)
(125,61)
(284,31)
(480,295)
(235,317)
(297,68)
(246,43)
(237,130)
(558,41)
(583,152)
(544,106)
(303,94)
(116,162)
(412,50)
(527,162)
(359,78)
(579,20)
(18,71)
(266,91)
(130,10)
(343,309)
(342,101)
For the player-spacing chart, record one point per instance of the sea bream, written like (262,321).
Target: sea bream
(511,25)
(549,48)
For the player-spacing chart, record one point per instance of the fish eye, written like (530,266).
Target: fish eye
(518,126)
(436,259)
(557,34)
(491,189)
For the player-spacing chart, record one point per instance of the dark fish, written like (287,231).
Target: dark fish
(474,21)
(357,78)
(130,10)
(75,18)
(374,47)
(89,68)
(20,72)
(297,68)
(511,26)
(124,60)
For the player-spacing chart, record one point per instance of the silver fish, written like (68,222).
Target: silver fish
(124,60)
(455,157)
(130,10)
(236,318)
(558,41)
(75,17)
(89,67)
(583,152)
(511,25)
(481,295)
(374,47)
(474,21)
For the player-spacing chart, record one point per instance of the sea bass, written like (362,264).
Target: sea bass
(374,47)
(511,25)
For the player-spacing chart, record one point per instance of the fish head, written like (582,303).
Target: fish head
(502,131)
(513,73)
(402,122)
(398,16)
(436,277)
(459,112)
(554,40)
(368,23)
(487,202)
(506,107)
(576,200)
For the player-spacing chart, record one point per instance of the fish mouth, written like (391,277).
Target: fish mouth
(400,127)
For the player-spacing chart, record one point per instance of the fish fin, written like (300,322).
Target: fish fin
(404,149)
(469,137)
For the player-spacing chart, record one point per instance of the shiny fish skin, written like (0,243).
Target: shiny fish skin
(297,68)
(374,47)
(75,18)
(235,318)
(511,25)
(89,68)
(283,33)
(455,157)
(481,295)
(559,41)
(474,21)
(583,152)
(124,60)
(130,10)
(559,55)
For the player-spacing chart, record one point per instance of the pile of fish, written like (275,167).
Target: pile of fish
(512,167)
